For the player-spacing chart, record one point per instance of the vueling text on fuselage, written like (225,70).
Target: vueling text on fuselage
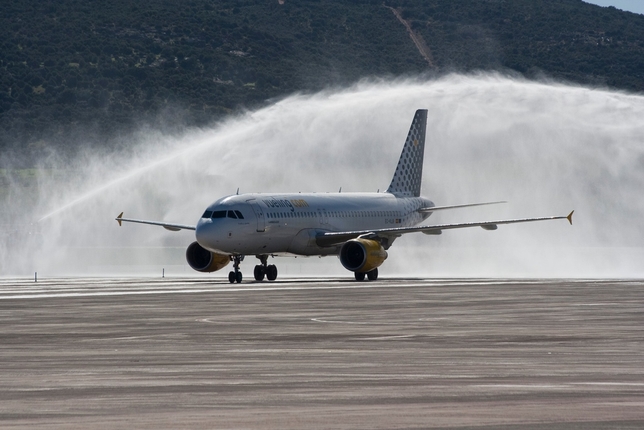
(283,203)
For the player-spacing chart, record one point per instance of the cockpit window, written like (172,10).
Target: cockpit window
(206,214)
(239,215)
(219,214)
(231,214)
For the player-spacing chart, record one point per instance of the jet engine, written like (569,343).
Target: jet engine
(203,260)
(362,255)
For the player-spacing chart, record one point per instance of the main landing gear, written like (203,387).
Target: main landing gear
(261,270)
(372,275)
(264,269)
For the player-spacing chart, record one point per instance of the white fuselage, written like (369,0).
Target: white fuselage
(289,223)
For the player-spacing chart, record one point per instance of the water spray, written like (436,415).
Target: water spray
(542,147)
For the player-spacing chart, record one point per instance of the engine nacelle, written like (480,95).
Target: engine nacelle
(203,260)
(362,255)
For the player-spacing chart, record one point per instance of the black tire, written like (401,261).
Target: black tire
(359,276)
(271,272)
(259,273)
(238,277)
(373,275)
(232,277)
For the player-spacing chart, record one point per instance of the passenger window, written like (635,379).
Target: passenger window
(206,214)
(239,215)
(219,214)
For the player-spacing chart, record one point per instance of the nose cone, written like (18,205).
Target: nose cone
(206,233)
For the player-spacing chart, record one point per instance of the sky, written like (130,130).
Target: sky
(636,6)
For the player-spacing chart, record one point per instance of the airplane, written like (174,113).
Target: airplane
(357,227)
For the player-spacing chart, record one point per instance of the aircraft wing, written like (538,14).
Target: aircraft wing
(334,238)
(167,226)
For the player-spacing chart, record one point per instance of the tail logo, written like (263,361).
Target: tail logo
(408,175)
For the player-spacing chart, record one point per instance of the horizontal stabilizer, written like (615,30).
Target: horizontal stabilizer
(469,205)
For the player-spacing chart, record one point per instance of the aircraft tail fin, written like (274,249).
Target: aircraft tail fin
(409,172)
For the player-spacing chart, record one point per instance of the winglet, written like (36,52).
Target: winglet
(118,218)
(569,217)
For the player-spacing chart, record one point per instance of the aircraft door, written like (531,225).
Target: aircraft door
(259,214)
(324,220)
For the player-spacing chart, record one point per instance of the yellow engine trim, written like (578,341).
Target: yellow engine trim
(362,255)
(218,262)
(202,260)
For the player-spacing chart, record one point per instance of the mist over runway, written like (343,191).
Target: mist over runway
(308,353)
(545,147)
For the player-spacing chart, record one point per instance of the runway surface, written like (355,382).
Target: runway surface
(310,353)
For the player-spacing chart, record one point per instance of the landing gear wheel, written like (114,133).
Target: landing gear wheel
(271,272)
(373,275)
(235,275)
(359,276)
(259,272)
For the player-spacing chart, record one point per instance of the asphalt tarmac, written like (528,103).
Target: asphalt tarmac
(298,353)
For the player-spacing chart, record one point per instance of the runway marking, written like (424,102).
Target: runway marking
(86,287)
(141,288)
(600,304)
(338,322)
(560,386)
(400,336)
(320,320)
(522,386)
(618,384)
(208,320)
(154,336)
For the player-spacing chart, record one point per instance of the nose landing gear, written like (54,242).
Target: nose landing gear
(264,269)
(236,275)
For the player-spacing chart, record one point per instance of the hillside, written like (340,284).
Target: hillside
(73,71)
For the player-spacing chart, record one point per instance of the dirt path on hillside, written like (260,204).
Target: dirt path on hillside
(418,40)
